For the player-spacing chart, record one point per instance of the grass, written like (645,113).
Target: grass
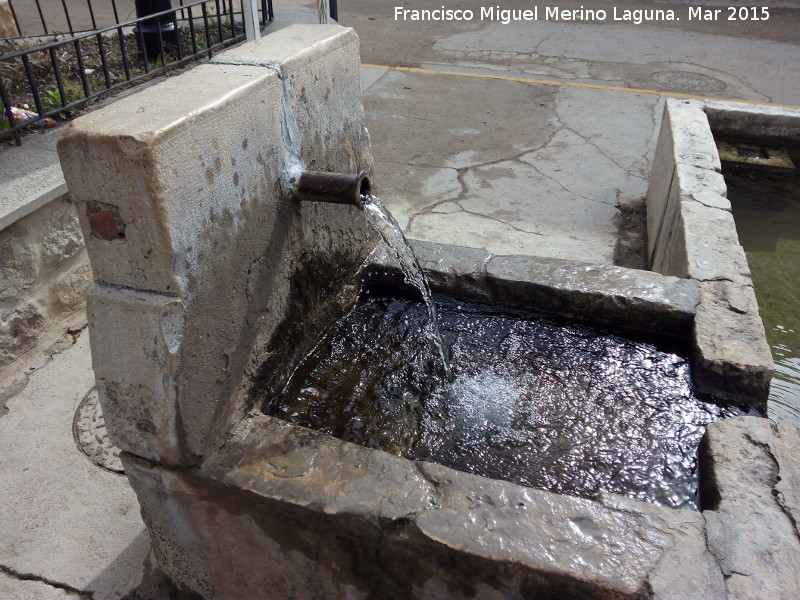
(18,88)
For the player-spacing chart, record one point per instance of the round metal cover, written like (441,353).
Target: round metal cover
(686,81)
(89,430)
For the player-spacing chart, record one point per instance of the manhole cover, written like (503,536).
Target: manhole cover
(686,81)
(89,430)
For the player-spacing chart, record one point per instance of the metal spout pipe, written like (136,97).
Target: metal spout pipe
(336,188)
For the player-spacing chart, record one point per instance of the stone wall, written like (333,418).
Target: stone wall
(44,275)
(692,234)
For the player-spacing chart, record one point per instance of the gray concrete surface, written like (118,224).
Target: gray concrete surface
(471,150)
(472,158)
(67,524)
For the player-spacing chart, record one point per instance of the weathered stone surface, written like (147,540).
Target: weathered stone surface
(712,245)
(305,515)
(62,239)
(42,265)
(203,198)
(693,142)
(165,173)
(603,293)
(70,289)
(689,228)
(686,570)
(19,330)
(733,119)
(731,355)
(19,262)
(751,526)
(684,139)
(135,341)
(693,235)
(454,270)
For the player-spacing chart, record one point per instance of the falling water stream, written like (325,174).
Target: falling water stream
(385,224)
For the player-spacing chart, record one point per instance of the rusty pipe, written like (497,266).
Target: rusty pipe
(337,188)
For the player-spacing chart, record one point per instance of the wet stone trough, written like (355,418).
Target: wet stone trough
(223,283)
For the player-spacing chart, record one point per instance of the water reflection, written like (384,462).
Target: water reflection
(766,207)
(567,408)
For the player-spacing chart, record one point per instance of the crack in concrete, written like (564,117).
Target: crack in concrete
(18,382)
(38,578)
(776,494)
(566,189)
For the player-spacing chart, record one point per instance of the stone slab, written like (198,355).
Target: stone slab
(751,467)
(731,355)
(770,123)
(151,159)
(631,298)
(136,337)
(606,294)
(324,518)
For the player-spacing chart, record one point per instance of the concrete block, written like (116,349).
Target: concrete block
(162,163)
(135,338)
(602,293)
(731,356)
(281,511)
(750,471)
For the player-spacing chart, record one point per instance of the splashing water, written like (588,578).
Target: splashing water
(385,224)
(536,400)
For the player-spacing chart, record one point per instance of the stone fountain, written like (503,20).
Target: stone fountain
(212,281)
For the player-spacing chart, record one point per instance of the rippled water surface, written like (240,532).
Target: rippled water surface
(567,408)
(766,207)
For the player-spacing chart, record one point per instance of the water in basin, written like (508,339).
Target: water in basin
(766,208)
(560,406)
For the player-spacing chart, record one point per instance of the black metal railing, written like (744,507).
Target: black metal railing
(56,78)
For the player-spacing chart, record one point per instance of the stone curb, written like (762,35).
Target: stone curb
(692,235)
(605,294)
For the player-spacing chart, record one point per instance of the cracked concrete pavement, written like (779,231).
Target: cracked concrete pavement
(70,529)
(471,150)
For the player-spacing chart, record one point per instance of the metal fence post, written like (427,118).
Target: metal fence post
(250,15)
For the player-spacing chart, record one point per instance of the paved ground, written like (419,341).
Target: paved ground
(493,159)
(471,148)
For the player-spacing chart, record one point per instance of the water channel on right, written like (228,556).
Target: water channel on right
(766,208)
(534,400)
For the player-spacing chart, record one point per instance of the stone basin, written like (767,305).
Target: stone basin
(211,283)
